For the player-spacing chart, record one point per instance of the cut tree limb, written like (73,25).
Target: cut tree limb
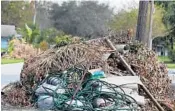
(133,73)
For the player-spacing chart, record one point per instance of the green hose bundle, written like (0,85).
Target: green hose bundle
(92,95)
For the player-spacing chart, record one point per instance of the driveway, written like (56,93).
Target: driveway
(10,73)
(171,73)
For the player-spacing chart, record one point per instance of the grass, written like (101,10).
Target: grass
(167,61)
(164,59)
(3,50)
(11,61)
(171,66)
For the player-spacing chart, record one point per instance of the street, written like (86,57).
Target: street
(10,73)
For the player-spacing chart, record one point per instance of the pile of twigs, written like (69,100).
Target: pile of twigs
(59,59)
(15,95)
(143,61)
(153,74)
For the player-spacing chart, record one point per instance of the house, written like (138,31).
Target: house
(7,31)
(161,50)
(160,47)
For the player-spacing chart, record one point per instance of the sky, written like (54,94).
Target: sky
(116,4)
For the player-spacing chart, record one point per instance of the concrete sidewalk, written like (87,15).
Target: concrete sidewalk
(10,73)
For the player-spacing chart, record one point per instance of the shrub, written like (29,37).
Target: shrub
(43,45)
(30,32)
(63,39)
(10,47)
(172,55)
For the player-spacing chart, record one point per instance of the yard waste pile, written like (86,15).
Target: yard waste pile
(77,90)
(21,50)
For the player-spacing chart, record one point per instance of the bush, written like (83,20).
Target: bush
(63,39)
(172,55)
(10,47)
(43,45)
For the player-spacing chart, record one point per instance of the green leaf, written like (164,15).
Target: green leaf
(29,30)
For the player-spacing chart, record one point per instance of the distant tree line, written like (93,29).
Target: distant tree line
(87,18)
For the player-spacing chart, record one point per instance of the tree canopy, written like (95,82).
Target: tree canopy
(87,18)
(169,19)
(125,20)
(42,14)
(16,13)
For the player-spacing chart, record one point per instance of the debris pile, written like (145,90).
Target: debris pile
(145,64)
(14,94)
(95,54)
(22,50)
(63,93)
(59,59)
(153,74)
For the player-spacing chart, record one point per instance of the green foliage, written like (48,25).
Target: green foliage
(63,39)
(30,33)
(159,28)
(29,30)
(49,35)
(10,47)
(16,13)
(125,20)
(169,19)
(53,36)
(172,55)
(42,39)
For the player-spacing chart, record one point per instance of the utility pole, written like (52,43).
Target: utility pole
(34,8)
(150,25)
(141,22)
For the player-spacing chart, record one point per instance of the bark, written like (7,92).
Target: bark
(141,22)
(150,26)
(172,42)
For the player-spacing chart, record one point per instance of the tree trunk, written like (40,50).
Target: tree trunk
(141,22)
(34,8)
(172,42)
(150,25)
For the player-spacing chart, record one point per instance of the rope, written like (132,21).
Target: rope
(92,94)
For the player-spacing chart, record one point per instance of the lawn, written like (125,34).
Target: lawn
(11,61)
(167,61)
(164,59)
(3,50)
(171,66)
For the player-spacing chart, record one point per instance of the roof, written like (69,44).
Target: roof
(8,30)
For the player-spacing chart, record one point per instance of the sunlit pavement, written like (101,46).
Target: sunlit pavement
(10,73)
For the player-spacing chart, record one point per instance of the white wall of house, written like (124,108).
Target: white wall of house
(166,52)
(161,51)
